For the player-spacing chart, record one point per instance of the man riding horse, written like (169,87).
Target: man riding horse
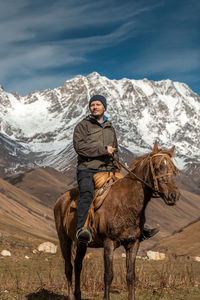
(95,143)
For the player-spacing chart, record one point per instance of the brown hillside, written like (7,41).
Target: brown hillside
(44,183)
(22,214)
(171,219)
(186,242)
(190,180)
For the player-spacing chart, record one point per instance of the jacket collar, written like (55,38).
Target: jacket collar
(105,123)
(104,118)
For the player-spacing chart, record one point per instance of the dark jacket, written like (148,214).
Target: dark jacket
(90,140)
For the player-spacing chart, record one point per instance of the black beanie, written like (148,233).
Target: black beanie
(100,98)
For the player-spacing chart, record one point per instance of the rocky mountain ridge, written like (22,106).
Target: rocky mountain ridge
(37,129)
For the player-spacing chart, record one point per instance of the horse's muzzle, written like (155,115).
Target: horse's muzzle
(172,198)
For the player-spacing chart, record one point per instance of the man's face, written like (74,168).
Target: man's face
(97,108)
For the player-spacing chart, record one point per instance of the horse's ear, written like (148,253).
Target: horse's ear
(171,151)
(155,148)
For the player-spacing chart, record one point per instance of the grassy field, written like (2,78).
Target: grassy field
(41,276)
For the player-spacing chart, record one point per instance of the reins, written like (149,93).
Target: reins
(131,172)
(155,178)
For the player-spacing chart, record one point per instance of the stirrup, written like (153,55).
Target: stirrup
(83,235)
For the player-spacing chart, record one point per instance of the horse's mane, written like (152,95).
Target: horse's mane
(140,161)
(141,164)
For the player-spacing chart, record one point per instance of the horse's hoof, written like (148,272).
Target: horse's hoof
(71,297)
(77,296)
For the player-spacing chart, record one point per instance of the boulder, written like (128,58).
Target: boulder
(155,255)
(47,247)
(197,258)
(5,253)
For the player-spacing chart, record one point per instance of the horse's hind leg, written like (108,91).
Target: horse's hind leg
(80,253)
(66,249)
(108,267)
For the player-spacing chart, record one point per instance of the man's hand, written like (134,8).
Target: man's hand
(110,149)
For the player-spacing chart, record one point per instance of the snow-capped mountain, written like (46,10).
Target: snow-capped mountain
(41,124)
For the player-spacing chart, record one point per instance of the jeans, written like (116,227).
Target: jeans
(86,188)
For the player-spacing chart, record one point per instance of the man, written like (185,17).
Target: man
(94,141)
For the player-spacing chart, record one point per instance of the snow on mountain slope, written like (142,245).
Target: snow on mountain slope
(13,156)
(142,111)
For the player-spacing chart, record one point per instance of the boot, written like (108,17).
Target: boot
(83,235)
(147,233)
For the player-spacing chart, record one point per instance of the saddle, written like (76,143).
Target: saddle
(103,177)
(103,182)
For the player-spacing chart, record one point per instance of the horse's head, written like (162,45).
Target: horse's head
(163,172)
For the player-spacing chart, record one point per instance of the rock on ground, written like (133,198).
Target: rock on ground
(5,253)
(197,258)
(155,255)
(47,247)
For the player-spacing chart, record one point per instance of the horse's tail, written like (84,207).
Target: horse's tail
(62,216)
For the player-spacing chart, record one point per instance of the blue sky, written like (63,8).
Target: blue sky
(44,43)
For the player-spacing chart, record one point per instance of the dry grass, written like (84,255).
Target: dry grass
(42,277)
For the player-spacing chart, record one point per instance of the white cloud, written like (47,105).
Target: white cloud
(61,17)
(36,37)
(35,57)
(173,49)
(39,36)
(38,82)
(168,62)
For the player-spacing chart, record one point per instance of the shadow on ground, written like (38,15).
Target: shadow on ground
(48,295)
(45,295)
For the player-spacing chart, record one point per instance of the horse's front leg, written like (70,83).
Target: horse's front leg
(108,267)
(80,253)
(131,252)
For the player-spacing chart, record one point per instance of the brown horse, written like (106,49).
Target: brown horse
(120,219)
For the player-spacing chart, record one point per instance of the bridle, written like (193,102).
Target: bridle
(155,187)
(174,169)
